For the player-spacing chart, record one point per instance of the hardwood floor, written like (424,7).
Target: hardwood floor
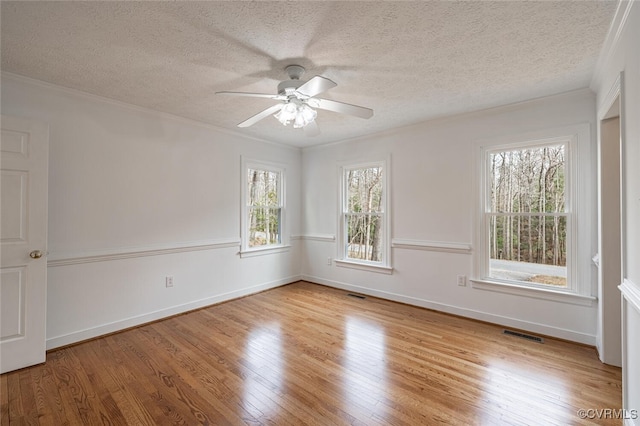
(308,354)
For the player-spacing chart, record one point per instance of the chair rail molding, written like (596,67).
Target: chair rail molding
(90,256)
(631,292)
(449,247)
(328,238)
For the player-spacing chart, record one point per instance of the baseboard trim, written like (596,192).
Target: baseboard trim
(560,333)
(138,320)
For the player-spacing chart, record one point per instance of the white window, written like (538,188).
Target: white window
(527,231)
(263,207)
(527,214)
(364,218)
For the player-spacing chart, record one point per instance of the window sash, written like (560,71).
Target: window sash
(264,188)
(488,182)
(347,189)
(540,258)
(370,247)
(264,226)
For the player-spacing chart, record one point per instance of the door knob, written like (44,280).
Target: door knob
(36,254)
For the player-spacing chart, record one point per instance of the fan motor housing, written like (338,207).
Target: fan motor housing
(287,87)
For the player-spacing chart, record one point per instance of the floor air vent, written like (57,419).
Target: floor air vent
(357,296)
(523,336)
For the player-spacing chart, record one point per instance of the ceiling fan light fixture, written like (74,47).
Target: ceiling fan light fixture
(305,115)
(287,113)
(301,114)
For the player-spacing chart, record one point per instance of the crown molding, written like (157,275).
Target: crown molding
(611,42)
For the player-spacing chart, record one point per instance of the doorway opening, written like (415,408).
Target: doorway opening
(610,235)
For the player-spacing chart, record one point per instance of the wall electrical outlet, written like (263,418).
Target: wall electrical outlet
(329,261)
(168,281)
(462,280)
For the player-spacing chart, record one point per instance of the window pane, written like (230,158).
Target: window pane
(527,180)
(529,248)
(364,237)
(264,226)
(364,190)
(263,188)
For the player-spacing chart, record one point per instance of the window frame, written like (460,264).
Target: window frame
(579,288)
(384,266)
(252,164)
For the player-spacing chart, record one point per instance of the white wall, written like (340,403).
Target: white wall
(622,54)
(135,196)
(433,200)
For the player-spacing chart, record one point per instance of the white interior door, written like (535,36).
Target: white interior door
(24,153)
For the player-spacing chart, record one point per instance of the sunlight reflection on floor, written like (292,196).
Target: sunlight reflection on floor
(516,394)
(365,374)
(264,370)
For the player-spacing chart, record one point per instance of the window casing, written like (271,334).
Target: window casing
(364,217)
(527,227)
(263,207)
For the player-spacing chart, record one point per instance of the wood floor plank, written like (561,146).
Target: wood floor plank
(190,365)
(4,399)
(77,388)
(308,354)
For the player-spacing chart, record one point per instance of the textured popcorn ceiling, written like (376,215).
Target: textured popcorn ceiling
(408,61)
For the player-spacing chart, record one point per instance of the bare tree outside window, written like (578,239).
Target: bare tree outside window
(263,207)
(363,213)
(527,215)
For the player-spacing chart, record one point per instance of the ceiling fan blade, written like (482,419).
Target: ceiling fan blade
(311,129)
(315,86)
(343,108)
(254,95)
(259,116)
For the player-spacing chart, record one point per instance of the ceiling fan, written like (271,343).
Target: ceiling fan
(297,102)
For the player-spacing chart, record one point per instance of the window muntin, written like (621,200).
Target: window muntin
(527,215)
(363,214)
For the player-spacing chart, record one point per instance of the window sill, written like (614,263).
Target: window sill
(365,266)
(537,293)
(264,251)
